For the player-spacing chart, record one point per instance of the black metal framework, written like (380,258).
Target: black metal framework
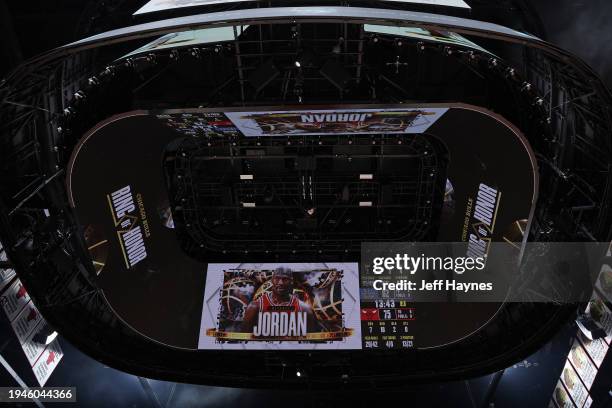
(579,158)
(303,199)
(568,122)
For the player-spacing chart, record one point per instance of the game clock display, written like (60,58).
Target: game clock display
(386,324)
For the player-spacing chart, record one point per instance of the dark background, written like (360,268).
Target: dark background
(583,27)
(31,27)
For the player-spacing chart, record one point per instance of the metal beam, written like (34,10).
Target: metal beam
(146,386)
(492,389)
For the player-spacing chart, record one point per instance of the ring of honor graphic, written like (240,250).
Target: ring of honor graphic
(129,230)
(483,221)
(284,305)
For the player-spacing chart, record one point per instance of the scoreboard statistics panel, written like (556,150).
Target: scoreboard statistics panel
(399,320)
(387,324)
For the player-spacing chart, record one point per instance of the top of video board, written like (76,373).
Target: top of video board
(154,6)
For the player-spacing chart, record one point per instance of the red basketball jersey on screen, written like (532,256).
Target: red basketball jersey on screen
(266,304)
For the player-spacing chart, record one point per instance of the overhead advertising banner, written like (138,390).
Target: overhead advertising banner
(604,283)
(596,349)
(26,321)
(337,121)
(281,306)
(6,274)
(47,362)
(561,397)
(573,385)
(583,365)
(14,299)
(33,349)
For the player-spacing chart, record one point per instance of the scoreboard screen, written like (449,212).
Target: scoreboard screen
(323,306)
(387,324)
(283,306)
(291,306)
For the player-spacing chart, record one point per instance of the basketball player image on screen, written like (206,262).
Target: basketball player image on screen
(283,306)
(279,313)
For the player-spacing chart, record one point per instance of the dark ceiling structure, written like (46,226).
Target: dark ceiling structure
(307,54)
